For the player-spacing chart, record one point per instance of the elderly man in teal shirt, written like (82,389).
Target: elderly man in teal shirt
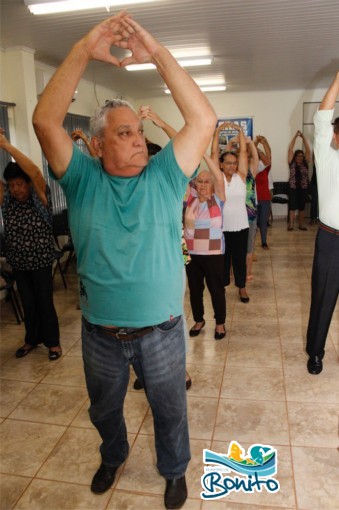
(125,219)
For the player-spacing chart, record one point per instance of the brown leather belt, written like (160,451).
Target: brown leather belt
(328,229)
(125,334)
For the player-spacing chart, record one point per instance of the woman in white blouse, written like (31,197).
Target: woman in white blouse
(235,219)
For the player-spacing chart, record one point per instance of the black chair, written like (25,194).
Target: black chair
(280,192)
(58,254)
(61,228)
(7,284)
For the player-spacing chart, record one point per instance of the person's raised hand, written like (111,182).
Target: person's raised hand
(146,112)
(77,134)
(102,37)
(3,139)
(141,43)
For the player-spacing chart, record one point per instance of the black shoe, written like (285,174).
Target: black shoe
(137,385)
(315,364)
(20,353)
(244,299)
(176,493)
(103,479)
(53,355)
(219,336)
(195,332)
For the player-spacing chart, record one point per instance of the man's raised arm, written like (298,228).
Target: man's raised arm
(53,105)
(192,140)
(331,95)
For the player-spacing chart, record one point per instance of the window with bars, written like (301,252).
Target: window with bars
(71,123)
(4,124)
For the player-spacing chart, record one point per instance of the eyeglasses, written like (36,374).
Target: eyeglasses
(203,182)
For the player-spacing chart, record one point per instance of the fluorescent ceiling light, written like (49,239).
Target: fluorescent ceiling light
(213,88)
(140,67)
(187,62)
(55,6)
(207,88)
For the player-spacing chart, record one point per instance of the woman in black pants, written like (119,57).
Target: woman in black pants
(205,243)
(298,182)
(235,219)
(27,214)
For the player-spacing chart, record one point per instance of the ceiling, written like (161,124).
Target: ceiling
(256,44)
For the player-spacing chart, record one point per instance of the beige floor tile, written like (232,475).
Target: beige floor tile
(135,410)
(206,352)
(334,334)
(253,353)
(76,349)
(51,404)
(316,478)
(249,420)
(5,356)
(201,416)
(312,425)
(82,419)
(206,380)
(67,341)
(11,488)
(304,387)
(253,383)
(255,312)
(296,312)
(129,501)
(32,368)
(70,372)
(12,393)
(76,457)
(140,473)
(25,446)
(291,330)
(260,331)
(50,495)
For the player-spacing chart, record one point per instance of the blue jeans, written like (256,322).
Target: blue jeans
(159,361)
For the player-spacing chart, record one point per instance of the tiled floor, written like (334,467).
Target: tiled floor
(252,387)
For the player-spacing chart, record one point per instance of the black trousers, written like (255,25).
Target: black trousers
(325,290)
(36,293)
(235,253)
(211,268)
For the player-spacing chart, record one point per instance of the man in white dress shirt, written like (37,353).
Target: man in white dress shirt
(325,273)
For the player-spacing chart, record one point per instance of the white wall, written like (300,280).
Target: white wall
(276,115)
(89,94)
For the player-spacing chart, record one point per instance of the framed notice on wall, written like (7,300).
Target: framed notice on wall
(225,136)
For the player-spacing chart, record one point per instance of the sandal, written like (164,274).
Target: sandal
(53,355)
(23,351)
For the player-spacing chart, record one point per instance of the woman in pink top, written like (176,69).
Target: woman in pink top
(205,243)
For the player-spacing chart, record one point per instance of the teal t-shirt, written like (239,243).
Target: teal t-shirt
(127,237)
